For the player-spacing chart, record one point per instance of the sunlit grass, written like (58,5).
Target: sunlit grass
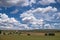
(31,37)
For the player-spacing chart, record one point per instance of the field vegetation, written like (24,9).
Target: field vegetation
(27,35)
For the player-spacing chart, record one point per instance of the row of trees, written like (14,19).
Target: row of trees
(4,33)
(46,34)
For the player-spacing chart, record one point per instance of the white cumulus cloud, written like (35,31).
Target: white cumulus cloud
(8,3)
(36,17)
(47,2)
(11,23)
(58,1)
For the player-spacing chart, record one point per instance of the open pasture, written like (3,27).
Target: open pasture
(32,36)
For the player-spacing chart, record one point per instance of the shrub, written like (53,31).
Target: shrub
(28,34)
(0,31)
(10,33)
(45,34)
(49,34)
(3,33)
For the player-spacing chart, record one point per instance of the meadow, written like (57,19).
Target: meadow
(33,36)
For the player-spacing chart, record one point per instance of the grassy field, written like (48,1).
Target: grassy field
(31,37)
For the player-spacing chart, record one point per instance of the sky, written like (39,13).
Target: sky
(29,14)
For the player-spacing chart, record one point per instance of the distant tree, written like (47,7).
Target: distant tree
(3,33)
(49,34)
(0,31)
(16,32)
(10,32)
(45,34)
(19,33)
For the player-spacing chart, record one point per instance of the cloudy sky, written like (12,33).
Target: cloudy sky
(29,14)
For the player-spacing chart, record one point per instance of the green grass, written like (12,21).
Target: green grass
(31,37)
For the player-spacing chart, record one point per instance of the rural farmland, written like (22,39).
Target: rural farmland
(27,35)
(29,19)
